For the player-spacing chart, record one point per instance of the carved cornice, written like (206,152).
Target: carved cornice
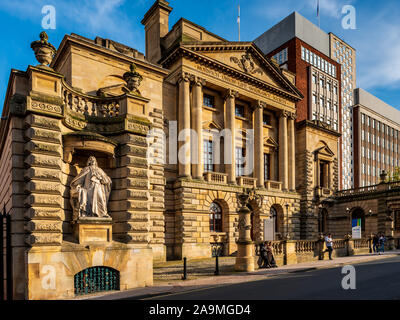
(194,54)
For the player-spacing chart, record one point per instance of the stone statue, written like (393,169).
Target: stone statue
(90,191)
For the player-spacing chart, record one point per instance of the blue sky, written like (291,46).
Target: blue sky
(376,39)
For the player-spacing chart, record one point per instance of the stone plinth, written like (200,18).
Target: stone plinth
(245,247)
(89,230)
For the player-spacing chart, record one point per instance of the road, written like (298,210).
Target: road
(374,280)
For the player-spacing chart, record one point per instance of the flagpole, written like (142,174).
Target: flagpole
(238,20)
(319,17)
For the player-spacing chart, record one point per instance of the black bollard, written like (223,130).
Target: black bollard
(184,269)
(216,265)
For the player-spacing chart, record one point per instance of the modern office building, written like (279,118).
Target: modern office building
(344,54)
(376,138)
(323,55)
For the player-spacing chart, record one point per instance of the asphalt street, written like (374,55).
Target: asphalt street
(374,280)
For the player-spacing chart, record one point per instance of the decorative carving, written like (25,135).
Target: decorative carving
(261,104)
(133,79)
(284,114)
(44,51)
(231,94)
(90,191)
(247,64)
(292,116)
(199,81)
(185,76)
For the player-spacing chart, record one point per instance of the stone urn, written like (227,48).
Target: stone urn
(133,79)
(44,51)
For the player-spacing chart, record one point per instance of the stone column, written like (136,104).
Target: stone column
(197,125)
(184,123)
(258,144)
(230,125)
(283,150)
(291,156)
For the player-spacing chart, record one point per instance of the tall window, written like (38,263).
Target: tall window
(240,161)
(215,217)
(208,155)
(323,174)
(267,166)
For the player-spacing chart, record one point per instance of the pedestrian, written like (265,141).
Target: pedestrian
(328,243)
(261,250)
(382,240)
(375,242)
(263,263)
(270,256)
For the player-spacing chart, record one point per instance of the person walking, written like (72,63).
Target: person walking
(382,240)
(328,243)
(375,243)
(263,255)
(270,255)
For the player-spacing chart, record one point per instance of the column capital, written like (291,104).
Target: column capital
(261,104)
(231,94)
(284,114)
(198,81)
(292,115)
(185,76)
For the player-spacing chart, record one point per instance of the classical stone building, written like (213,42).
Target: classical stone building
(103,99)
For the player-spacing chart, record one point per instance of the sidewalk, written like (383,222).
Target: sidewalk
(167,277)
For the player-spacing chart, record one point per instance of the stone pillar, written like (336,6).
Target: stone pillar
(197,125)
(184,124)
(291,151)
(283,150)
(245,247)
(258,144)
(230,125)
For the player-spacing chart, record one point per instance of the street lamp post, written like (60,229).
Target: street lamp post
(349,215)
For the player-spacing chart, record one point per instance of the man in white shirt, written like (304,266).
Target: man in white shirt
(328,242)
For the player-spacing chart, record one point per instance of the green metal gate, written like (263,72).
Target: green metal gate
(96,279)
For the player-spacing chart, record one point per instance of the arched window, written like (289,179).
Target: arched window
(274,215)
(358,214)
(215,217)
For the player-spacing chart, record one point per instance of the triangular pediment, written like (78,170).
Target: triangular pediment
(270,142)
(325,151)
(211,125)
(247,59)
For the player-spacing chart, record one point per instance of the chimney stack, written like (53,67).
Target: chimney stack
(156,26)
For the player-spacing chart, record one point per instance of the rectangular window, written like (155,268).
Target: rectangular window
(240,161)
(239,111)
(209,101)
(267,166)
(266,119)
(208,156)
(314,79)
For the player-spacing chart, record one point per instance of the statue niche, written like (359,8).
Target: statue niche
(90,191)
